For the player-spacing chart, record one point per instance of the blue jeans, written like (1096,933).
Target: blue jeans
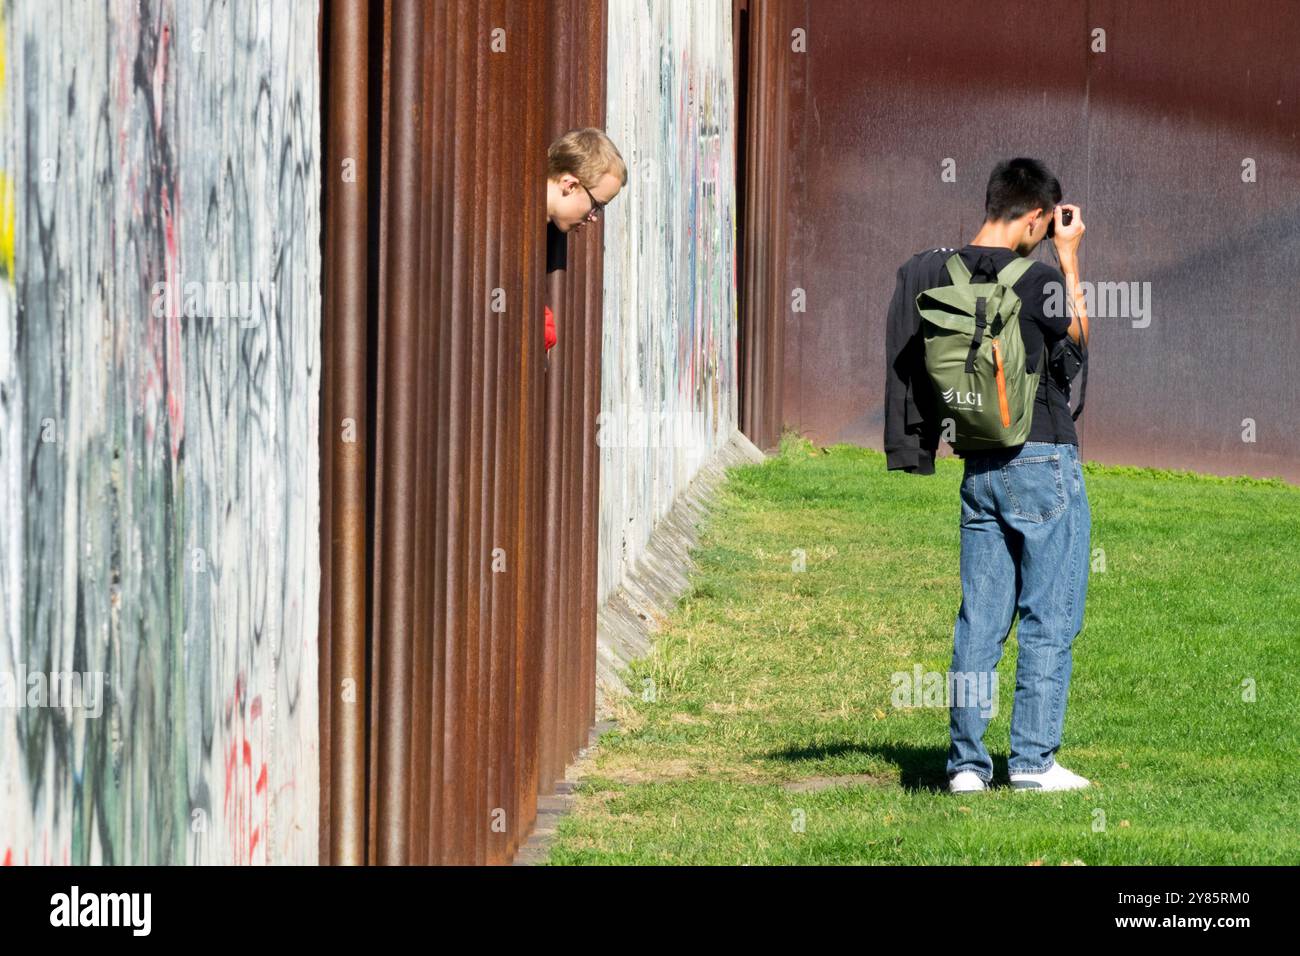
(1025,546)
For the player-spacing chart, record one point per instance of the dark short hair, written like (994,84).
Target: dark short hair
(1018,186)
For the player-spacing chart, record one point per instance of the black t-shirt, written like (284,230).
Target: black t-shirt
(1052,421)
(557,248)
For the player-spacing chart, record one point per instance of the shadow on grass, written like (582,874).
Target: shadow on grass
(919,768)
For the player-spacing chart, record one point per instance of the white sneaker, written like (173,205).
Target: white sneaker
(966,781)
(1055,777)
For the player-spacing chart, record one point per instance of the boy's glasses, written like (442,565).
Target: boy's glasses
(597,207)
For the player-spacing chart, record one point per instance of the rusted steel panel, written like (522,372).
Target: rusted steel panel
(378,64)
(396,568)
(576,93)
(427,718)
(1149,136)
(476,506)
(1174,108)
(765,74)
(344,434)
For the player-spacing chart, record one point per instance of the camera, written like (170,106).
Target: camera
(1067,216)
(1064,360)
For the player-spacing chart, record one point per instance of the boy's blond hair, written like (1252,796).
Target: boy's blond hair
(586,153)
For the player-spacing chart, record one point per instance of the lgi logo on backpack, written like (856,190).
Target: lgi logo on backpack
(963,399)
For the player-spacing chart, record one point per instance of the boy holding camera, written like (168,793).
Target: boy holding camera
(1025,518)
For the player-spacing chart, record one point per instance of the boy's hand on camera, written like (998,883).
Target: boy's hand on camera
(1067,238)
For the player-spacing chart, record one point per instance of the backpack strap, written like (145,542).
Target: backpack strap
(957,270)
(981,320)
(1014,271)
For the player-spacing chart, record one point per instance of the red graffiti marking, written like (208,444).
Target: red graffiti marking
(231,762)
(242,789)
(175,374)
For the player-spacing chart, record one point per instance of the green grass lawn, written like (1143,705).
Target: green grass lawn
(762,730)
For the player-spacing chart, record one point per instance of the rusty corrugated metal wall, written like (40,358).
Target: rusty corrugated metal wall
(763,78)
(1149,136)
(344,28)
(576,84)
(461,659)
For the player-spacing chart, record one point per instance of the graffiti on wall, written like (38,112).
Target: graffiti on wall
(669,353)
(159,389)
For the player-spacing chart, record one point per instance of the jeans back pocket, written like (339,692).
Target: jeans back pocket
(1035,486)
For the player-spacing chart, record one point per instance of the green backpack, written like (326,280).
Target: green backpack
(975,357)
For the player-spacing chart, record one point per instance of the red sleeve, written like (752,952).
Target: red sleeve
(550,328)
